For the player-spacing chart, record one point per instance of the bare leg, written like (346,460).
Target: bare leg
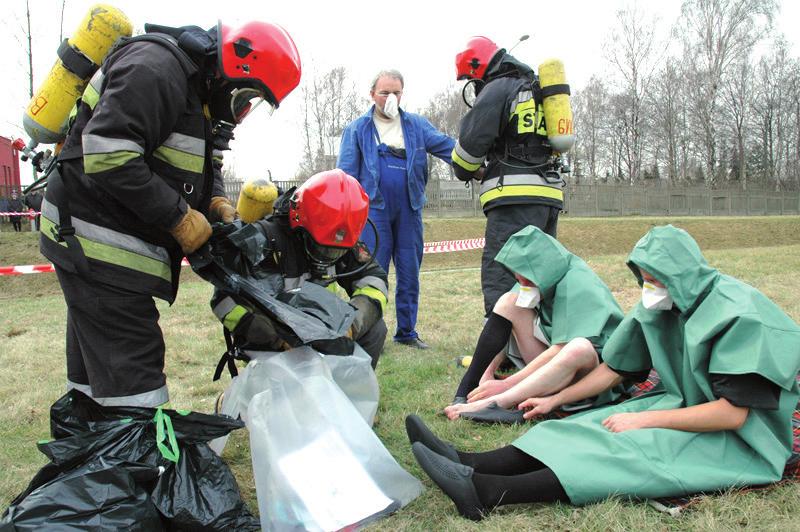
(534,352)
(576,359)
(522,320)
(573,361)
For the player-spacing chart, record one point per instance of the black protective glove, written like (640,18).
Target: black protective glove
(257,332)
(368,312)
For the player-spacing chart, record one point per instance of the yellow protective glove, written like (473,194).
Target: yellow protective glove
(221,210)
(192,231)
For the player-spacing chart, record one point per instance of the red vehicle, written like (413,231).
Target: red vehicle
(9,168)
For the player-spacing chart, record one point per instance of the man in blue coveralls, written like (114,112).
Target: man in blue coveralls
(387,149)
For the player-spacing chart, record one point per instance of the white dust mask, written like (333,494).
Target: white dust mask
(655,297)
(391,107)
(528,297)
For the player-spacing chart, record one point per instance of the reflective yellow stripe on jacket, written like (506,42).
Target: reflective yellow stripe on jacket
(519,185)
(113,247)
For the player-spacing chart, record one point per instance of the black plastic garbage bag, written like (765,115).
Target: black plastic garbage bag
(99,495)
(196,491)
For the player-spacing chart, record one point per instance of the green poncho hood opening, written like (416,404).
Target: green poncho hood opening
(537,256)
(673,257)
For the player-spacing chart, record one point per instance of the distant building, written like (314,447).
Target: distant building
(9,168)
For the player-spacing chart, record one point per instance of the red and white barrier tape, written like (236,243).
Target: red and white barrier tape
(28,213)
(453,245)
(431,247)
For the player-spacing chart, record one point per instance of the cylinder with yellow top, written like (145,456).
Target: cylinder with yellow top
(556,105)
(256,199)
(78,58)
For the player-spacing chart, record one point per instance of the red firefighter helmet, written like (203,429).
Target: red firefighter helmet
(262,55)
(472,62)
(332,208)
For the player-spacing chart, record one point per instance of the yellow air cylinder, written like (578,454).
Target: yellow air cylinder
(46,115)
(556,106)
(256,199)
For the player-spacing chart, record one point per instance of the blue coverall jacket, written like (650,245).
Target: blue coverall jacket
(358,154)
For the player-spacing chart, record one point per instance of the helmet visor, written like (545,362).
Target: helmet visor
(323,254)
(245,100)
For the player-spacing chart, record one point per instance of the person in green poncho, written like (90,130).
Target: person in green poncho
(721,417)
(561,316)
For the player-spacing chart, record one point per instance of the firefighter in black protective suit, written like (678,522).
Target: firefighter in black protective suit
(312,236)
(503,143)
(137,182)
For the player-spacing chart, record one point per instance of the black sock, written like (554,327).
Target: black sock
(506,460)
(493,338)
(537,486)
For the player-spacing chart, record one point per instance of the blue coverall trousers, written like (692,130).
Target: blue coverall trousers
(400,239)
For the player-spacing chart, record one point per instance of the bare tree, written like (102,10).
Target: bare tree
(330,103)
(61,22)
(632,51)
(773,112)
(718,33)
(666,101)
(793,102)
(444,110)
(590,107)
(737,98)
(30,48)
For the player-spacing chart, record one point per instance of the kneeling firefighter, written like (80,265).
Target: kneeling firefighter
(136,186)
(510,143)
(311,236)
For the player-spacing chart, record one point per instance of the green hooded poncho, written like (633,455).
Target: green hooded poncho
(575,302)
(719,326)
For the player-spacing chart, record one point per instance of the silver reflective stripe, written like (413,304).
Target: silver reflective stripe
(97,144)
(83,388)
(290,283)
(521,179)
(217,153)
(223,308)
(461,152)
(104,235)
(97,80)
(524,96)
(374,282)
(186,144)
(150,399)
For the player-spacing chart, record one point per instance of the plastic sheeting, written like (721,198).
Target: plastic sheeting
(311,312)
(317,463)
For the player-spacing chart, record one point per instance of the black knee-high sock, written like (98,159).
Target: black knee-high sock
(506,460)
(493,338)
(537,486)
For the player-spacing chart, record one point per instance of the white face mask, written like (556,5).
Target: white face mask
(655,297)
(528,297)
(391,108)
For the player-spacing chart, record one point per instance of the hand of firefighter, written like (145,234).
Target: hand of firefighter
(258,332)
(367,314)
(221,210)
(192,231)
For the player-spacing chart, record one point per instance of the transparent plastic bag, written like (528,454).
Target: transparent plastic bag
(317,463)
(353,374)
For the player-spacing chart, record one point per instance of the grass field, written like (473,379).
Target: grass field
(763,251)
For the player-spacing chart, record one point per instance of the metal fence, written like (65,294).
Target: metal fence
(454,199)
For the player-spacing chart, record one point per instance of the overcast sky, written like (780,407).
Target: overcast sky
(419,38)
